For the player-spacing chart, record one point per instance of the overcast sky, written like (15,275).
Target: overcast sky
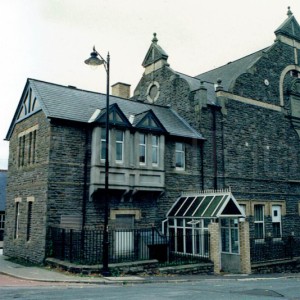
(49,40)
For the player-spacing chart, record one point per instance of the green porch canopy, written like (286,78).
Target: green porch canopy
(211,205)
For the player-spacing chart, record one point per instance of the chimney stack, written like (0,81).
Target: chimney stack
(120,89)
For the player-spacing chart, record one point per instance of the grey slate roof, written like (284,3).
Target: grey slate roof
(195,84)
(77,105)
(231,71)
(3,179)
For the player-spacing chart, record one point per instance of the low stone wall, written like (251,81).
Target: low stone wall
(148,267)
(203,268)
(282,266)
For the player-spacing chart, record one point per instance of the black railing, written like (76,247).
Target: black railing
(85,247)
(270,248)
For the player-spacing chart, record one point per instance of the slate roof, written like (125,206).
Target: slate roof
(195,84)
(231,71)
(205,205)
(77,105)
(3,179)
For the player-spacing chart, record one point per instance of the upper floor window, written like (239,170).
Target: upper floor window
(27,147)
(180,156)
(119,145)
(259,226)
(155,149)
(142,149)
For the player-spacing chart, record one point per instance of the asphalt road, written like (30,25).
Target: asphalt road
(208,289)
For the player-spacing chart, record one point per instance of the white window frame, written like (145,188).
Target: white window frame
(119,142)
(180,152)
(143,147)
(155,149)
(277,219)
(259,221)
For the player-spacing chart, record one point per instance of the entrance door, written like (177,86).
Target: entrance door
(230,245)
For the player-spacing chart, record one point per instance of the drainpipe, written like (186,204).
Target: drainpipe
(214,145)
(85,185)
(202,165)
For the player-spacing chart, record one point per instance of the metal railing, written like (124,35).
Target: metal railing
(269,248)
(85,246)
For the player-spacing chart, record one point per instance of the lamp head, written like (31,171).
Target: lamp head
(94,61)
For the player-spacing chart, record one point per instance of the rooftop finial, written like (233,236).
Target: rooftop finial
(289,13)
(154,40)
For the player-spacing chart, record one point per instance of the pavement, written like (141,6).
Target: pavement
(45,274)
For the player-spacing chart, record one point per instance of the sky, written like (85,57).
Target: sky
(50,39)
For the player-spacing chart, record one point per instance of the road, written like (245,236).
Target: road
(212,289)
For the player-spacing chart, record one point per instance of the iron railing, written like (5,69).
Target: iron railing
(85,246)
(269,248)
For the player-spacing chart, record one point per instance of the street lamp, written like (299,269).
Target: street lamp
(96,60)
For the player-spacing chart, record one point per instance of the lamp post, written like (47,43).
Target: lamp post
(96,60)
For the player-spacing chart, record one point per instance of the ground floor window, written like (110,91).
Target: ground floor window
(259,224)
(276,221)
(230,235)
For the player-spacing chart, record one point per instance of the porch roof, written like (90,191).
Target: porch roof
(211,204)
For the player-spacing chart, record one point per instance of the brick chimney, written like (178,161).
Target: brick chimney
(120,89)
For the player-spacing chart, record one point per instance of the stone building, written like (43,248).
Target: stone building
(189,153)
(3,176)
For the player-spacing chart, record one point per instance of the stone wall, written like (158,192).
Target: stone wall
(28,182)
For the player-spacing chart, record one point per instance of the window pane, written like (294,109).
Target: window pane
(179,155)
(119,135)
(234,240)
(259,230)
(142,151)
(225,239)
(276,230)
(119,145)
(258,213)
(154,149)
